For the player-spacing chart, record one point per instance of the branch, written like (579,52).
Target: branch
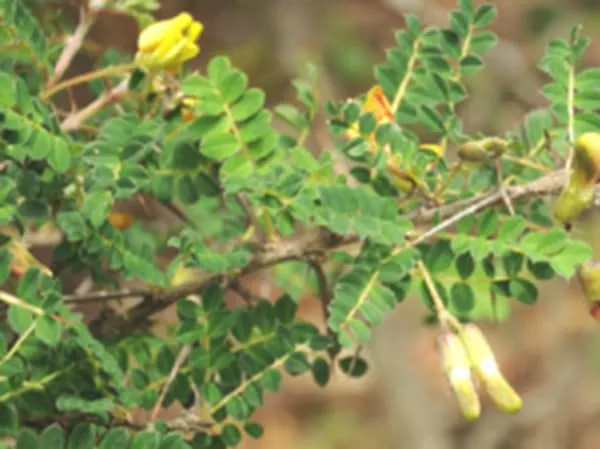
(73,121)
(72,45)
(183,423)
(302,248)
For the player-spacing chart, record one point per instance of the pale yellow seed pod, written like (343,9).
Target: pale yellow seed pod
(485,366)
(457,368)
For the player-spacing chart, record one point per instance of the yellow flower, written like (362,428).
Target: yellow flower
(167,44)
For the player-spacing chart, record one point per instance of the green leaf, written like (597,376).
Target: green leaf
(83,436)
(218,69)
(9,420)
(233,86)
(35,209)
(237,408)
(485,15)
(297,363)
(524,291)
(574,253)
(513,262)
(320,371)
(231,435)
(512,228)
(27,29)
(144,440)
(96,207)
(48,330)
(248,104)
(253,429)
(19,318)
(7,91)
(219,146)
(27,439)
(483,42)
(465,265)
(462,297)
(115,439)
(53,437)
(353,366)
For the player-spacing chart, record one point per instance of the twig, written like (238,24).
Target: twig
(72,45)
(179,361)
(325,299)
(73,121)
(445,318)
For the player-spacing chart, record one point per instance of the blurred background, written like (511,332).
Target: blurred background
(550,352)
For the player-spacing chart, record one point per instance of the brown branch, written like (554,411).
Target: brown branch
(72,45)
(74,121)
(302,248)
(183,423)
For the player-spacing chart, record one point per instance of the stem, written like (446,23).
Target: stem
(445,317)
(72,46)
(73,121)
(18,343)
(84,78)
(571,119)
(402,88)
(14,301)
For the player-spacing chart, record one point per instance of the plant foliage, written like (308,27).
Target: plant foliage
(250,195)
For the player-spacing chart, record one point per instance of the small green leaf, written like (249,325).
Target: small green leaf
(48,330)
(231,435)
(219,146)
(144,440)
(320,371)
(513,262)
(27,439)
(83,436)
(115,439)
(524,291)
(96,207)
(465,265)
(53,437)
(353,366)
(485,15)
(253,429)
(463,297)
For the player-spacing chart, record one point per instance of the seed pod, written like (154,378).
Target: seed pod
(578,194)
(456,366)
(589,273)
(481,150)
(472,152)
(485,366)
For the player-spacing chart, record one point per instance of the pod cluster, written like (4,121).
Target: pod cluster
(468,362)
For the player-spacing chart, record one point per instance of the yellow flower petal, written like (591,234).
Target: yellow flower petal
(167,44)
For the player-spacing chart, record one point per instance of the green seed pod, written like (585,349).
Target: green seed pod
(456,366)
(578,194)
(485,366)
(481,150)
(472,152)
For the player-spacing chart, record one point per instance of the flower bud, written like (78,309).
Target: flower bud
(167,44)
(485,366)
(456,366)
